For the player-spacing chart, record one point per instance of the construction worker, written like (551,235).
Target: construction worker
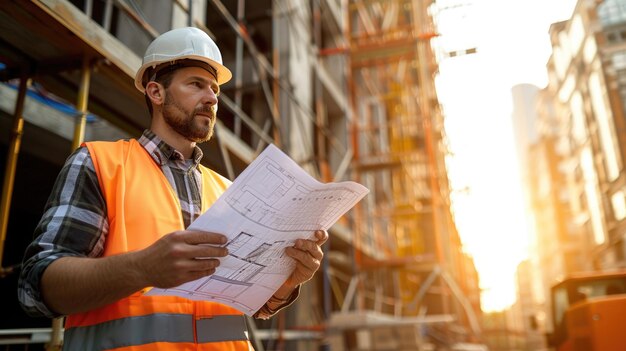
(115,222)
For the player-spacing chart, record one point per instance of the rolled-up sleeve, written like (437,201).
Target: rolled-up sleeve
(74,223)
(274,304)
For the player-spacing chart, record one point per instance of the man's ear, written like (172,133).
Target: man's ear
(155,93)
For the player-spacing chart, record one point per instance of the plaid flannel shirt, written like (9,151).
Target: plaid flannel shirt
(75,222)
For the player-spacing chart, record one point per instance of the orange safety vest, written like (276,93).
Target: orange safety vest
(141,208)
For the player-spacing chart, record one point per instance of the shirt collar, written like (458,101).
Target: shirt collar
(162,152)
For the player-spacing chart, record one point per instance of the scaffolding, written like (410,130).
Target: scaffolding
(406,244)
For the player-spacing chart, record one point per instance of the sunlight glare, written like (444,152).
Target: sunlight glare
(511,38)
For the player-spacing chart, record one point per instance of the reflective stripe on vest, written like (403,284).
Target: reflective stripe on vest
(140,330)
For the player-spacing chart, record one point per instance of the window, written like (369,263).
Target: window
(579,125)
(592,196)
(604,116)
(618,202)
(576,34)
(561,304)
(612,12)
(619,60)
(590,50)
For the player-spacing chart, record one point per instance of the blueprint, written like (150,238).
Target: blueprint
(270,205)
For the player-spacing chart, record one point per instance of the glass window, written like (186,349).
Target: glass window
(602,287)
(567,88)
(592,196)
(561,303)
(560,62)
(579,125)
(590,50)
(612,12)
(576,34)
(604,118)
(618,201)
(619,60)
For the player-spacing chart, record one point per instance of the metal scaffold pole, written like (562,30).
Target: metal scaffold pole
(56,337)
(11,163)
(81,104)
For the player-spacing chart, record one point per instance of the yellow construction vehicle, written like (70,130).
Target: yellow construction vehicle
(589,312)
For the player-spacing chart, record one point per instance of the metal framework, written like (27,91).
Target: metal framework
(406,242)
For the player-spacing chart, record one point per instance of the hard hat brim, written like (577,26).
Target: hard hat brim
(223,74)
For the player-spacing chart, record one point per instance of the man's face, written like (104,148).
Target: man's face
(190,103)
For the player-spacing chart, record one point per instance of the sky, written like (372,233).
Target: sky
(512,47)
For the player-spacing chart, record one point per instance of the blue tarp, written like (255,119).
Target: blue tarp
(36,92)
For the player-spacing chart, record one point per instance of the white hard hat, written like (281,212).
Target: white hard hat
(179,44)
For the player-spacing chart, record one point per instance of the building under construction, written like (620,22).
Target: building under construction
(346,88)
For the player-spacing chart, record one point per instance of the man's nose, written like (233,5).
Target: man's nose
(210,98)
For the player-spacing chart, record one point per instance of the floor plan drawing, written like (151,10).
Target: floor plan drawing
(270,205)
(278,201)
(253,256)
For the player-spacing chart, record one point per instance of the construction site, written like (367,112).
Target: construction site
(345,87)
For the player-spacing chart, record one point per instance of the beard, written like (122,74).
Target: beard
(185,122)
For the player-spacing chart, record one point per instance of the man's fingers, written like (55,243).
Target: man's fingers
(191,244)
(305,257)
(203,265)
(202,251)
(193,237)
(310,247)
(322,236)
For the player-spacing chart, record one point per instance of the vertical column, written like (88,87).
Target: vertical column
(276,75)
(320,117)
(56,341)
(359,228)
(9,173)
(81,104)
(239,65)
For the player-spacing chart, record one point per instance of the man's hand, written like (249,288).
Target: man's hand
(180,257)
(78,284)
(308,256)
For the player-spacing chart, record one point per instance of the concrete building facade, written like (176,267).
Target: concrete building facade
(312,78)
(577,177)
